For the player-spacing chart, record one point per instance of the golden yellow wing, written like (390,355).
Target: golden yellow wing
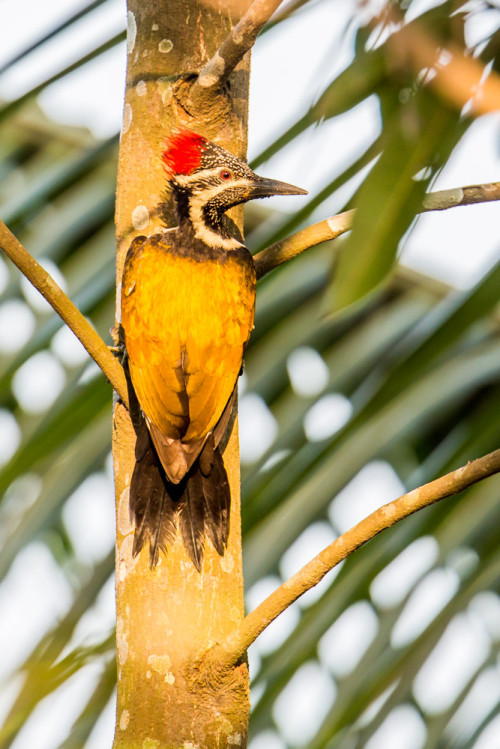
(186,326)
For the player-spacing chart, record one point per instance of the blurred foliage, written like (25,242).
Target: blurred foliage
(418,362)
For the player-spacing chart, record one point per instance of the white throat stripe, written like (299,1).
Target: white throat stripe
(202,231)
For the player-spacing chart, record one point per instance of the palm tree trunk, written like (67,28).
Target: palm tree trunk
(167,618)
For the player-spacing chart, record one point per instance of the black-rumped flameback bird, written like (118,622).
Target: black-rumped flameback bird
(188,300)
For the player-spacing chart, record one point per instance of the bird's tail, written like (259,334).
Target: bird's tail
(198,505)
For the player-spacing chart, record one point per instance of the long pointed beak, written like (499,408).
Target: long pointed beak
(265,188)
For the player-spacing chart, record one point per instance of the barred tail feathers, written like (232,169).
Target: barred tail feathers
(152,507)
(192,518)
(199,505)
(216,495)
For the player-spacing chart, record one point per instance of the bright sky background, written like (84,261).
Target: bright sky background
(289,67)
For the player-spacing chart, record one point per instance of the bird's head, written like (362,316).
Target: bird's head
(207,180)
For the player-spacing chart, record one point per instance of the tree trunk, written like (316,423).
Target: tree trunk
(169,617)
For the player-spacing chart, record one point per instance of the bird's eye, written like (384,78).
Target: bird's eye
(225,174)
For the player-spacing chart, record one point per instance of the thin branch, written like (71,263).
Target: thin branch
(230,651)
(290,247)
(65,308)
(330,228)
(286,12)
(236,45)
(443,199)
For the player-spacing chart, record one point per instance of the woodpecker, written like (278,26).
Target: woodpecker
(187,309)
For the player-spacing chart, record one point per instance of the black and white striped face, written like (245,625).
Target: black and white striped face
(221,182)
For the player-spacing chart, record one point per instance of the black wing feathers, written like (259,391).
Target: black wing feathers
(192,518)
(151,507)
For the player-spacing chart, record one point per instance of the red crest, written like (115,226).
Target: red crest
(183,152)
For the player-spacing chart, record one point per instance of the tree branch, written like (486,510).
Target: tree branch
(65,308)
(292,7)
(230,651)
(443,199)
(236,45)
(288,248)
(459,78)
(330,228)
